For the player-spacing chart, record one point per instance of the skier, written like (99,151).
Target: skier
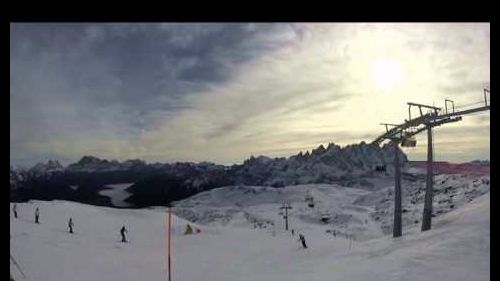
(293,232)
(14,209)
(70,225)
(37,215)
(122,232)
(303,240)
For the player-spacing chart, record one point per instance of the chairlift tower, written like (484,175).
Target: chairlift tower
(403,133)
(397,227)
(286,206)
(310,200)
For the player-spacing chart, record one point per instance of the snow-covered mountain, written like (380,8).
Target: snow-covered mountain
(451,191)
(346,209)
(481,162)
(330,162)
(322,165)
(49,167)
(94,164)
(158,184)
(242,226)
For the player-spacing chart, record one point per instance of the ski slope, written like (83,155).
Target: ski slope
(259,207)
(457,248)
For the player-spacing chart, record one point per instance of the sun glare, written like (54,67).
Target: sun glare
(387,73)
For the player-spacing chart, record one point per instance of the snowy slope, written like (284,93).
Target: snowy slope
(457,248)
(48,252)
(348,209)
(259,207)
(450,192)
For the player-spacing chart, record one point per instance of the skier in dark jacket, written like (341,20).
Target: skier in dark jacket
(14,209)
(122,232)
(37,215)
(293,232)
(70,225)
(303,240)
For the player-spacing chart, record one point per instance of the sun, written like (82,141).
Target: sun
(387,73)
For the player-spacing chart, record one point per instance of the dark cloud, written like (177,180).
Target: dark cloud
(117,78)
(131,62)
(187,90)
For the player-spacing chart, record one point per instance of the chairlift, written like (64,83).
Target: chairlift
(325,218)
(408,140)
(310,200)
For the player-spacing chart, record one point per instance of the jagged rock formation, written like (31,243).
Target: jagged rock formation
(322,165)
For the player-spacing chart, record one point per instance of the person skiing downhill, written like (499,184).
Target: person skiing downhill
(122,232)
(70,225)
(37,215)
(303,240)
(14,209)
(293,232)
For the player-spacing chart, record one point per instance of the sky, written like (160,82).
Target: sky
(221,92)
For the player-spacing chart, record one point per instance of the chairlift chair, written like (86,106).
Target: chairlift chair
(310,201)
(325,217)
(408,140)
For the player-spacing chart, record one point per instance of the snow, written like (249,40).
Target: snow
(456,248)
(416,170)
(117,193)
(255,206)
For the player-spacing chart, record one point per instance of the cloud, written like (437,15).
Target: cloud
(220,92)
(116,80)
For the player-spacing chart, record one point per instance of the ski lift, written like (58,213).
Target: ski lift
(408,140)
(325,218)
(310,200)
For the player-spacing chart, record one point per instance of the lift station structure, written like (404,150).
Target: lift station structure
(404,134)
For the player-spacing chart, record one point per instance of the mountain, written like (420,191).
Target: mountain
(322,165)
(94,164)
(481,162)
(159,184)
(50,167)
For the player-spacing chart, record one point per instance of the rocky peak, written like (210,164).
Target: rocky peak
(50,166)
(90,160)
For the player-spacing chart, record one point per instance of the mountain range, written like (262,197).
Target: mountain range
(161,183)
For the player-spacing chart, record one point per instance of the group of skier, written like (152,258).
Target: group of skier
(123,230)
(37,213)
